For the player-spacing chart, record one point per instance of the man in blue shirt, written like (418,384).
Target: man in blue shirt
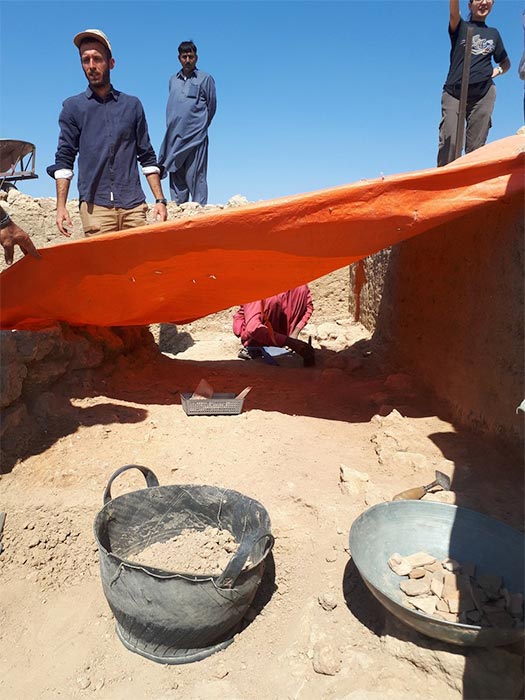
(191,107)
(108,131)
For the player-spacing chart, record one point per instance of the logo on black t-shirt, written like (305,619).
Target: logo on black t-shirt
(480,46)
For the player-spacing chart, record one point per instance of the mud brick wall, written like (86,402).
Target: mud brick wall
(450,305)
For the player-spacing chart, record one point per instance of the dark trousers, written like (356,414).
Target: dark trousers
(478,122)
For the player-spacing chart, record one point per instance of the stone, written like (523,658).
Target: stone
(12,375)
(399,565)
(419,572)
(348,474)
(420,559)
(415,587)
(83,682)
(351,480)
(326,659)
(238,200)
(221,673)
(327,601)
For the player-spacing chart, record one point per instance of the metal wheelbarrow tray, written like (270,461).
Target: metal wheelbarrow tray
(17,162)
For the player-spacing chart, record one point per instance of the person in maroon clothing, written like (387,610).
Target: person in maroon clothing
(275,321)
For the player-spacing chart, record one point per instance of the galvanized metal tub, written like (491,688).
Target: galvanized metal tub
(442,530)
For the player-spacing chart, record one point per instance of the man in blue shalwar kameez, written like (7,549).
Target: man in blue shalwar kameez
(189,112)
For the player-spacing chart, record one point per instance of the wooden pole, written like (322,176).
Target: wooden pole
(460,131)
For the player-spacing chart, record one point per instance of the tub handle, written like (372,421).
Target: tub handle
(151,479)
(236,564)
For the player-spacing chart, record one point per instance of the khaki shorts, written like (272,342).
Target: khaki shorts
(96,219)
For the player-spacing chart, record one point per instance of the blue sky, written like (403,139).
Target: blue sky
(310,94)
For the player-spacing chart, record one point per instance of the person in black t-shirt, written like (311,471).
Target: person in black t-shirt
(486,46)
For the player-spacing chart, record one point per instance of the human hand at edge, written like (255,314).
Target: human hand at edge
(13,235)
(64,222)
(160,212)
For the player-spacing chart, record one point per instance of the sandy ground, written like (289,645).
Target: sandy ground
(286,449)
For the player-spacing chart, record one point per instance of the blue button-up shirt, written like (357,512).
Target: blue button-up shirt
(109,135)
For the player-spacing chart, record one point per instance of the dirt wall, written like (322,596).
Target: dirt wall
(450,305)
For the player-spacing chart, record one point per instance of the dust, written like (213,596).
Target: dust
(196,552)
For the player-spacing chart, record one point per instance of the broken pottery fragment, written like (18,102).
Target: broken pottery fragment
(447,616)
(450,591)
(435,566)
(442,606)
(426,604)
(399,565)
(418,573)
(452,600)
(436,586)
(420,559)
(415,586)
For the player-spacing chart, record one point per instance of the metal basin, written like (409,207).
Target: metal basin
(442,530)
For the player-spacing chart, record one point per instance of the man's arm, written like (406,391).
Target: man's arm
(148,161)
(211,98)
(455,15)
(308,311)
(63,219)
(238,321)
(11,235)
(62,169)
(160,211)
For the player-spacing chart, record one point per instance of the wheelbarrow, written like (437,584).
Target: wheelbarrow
(17,162)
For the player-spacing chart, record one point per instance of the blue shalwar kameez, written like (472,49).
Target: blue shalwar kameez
(184,150)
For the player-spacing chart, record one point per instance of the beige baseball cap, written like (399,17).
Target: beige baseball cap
(94,34)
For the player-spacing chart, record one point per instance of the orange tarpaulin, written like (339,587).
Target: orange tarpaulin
(185,269)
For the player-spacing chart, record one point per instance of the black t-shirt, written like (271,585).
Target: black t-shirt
(486,44)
